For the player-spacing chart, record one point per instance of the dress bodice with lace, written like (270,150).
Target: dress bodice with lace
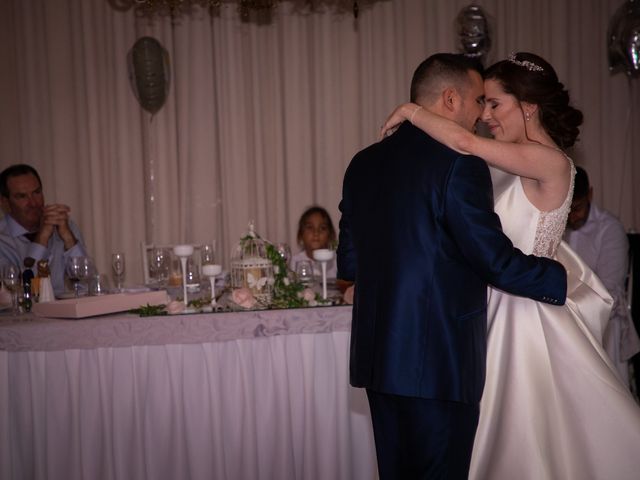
(530,229)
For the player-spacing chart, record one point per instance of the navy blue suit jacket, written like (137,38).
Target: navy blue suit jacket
(419,236)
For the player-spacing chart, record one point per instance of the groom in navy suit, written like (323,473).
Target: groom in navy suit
(419,237)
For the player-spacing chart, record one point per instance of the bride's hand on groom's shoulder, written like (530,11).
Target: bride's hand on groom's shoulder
(399,115)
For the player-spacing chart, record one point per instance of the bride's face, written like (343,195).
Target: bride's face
(502,113)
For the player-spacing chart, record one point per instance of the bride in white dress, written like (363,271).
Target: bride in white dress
(553,405)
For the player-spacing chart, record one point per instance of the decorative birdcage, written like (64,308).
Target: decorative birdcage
(252,269)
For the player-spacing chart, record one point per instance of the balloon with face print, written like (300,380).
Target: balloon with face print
(623,39)
(473,31)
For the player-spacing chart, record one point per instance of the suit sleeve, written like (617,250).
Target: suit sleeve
(346,254)
(476,229)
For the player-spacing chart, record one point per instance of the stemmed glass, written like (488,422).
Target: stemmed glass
(285,251)
(117,265)
(207,254)
(78,268)
(193,274)
(11,280)
(159,267)
(304,271)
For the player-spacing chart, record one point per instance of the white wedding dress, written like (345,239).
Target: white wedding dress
(553,406)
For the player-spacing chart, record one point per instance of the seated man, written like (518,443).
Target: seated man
(600,239)
(30,228)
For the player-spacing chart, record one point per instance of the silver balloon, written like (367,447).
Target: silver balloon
(623,39)
(473,31)
(149,73)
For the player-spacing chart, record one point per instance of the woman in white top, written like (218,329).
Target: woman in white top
(315,230)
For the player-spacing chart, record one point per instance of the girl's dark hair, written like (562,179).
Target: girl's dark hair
(532,79)
(325,216)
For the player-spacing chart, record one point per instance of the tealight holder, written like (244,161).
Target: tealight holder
(323,255)
(212,271)
(183,252)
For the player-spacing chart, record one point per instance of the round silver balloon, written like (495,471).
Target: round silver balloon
(149,73)
(473,31)
(623,39)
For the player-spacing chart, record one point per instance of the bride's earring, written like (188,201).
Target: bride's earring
(527,116)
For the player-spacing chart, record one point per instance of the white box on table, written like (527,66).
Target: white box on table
(99,305)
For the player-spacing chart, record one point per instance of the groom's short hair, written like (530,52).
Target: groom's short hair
(438,71)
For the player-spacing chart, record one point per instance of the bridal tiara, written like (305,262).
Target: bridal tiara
(532,67)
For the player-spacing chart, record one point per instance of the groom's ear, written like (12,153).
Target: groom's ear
(450,99)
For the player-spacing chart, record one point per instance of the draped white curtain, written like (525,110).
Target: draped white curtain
(263,117)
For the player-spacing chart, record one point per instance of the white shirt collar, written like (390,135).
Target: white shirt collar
(15,229)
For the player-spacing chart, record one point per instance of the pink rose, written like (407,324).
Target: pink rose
(174,307)
(348,295)
(243,297)
(307,295)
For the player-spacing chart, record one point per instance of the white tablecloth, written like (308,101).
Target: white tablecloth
(255,395)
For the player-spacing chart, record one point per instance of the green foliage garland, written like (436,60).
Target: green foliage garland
(285,287)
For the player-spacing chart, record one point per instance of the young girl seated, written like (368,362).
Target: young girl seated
(315,230)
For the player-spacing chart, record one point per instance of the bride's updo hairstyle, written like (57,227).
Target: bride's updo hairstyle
(532,79)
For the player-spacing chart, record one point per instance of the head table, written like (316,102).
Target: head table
(243,395)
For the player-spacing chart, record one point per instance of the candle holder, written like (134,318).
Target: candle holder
(212,271)
(183,252)
(323,255)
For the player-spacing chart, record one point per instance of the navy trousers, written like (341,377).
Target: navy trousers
(418,438)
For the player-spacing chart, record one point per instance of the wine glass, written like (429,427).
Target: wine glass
(285,251)
(78,268)
(159,264)
(207,254)
(99,285)
(117,265)
(193,274)
(304,271)
(11,280)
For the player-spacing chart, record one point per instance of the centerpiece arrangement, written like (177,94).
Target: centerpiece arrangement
(259,278)
(252,272)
